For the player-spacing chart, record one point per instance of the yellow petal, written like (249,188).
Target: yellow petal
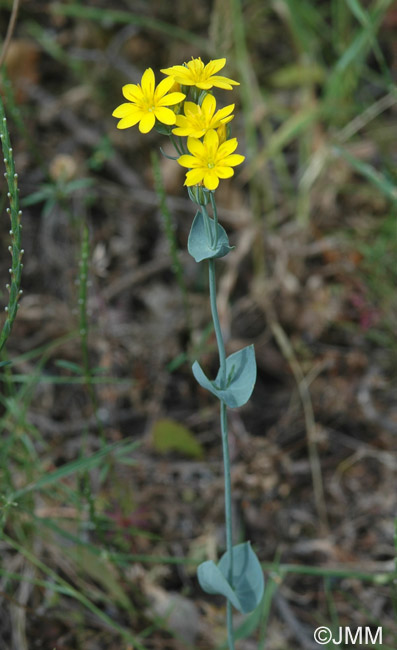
(196,147)
(165,115)
(185,81)
(164,86)
(197,133)
(211,180)
(188,131)
(182,132)
(203,85)
(181,120)
(191,108)
(224,82)
(233,160)
(211,143)
(214,66)
(130,120)
(125,109)
(132,92)
(227,148)
(148,82)
(224,172)
(227,119)
(171,99)
(188,161)
(224,112)
(175,70)
(194,176)
(147,122)
(208,106)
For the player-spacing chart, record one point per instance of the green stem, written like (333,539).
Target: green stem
(228,518)
(83,326)
(176,145)
(15,232)
(225,442)
(207,227)
(215,213)
(215,318)
(229,622)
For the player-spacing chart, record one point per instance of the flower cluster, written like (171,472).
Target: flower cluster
(208,153)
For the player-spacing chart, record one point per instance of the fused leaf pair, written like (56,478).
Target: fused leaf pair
(245,590)
(203,245)
(240,378)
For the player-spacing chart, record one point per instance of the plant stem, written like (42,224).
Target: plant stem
(176,145)
(228,518)
(215,213)
(225,441)
(208,232)
(15,232)
(215,318)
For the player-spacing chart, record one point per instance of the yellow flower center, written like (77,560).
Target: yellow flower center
(196,68)
(210,165)
(197,121)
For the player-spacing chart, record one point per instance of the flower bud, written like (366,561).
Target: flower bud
(198,194)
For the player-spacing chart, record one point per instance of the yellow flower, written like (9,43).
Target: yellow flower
(195,73)
(199,119)
(210,160)
(148,103)
(222,132)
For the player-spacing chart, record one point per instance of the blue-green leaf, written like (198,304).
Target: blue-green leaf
(240,378)
(198,245)
(247,578)
(212,581)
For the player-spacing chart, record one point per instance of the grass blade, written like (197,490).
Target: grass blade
(129,18)
(383,184)
(79,465)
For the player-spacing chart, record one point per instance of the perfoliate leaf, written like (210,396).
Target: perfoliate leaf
(247,579)
(169,435)
(240,378)
(198,245)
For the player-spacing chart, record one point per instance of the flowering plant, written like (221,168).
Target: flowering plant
(209,156)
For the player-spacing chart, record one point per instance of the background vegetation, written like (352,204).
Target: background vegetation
(110,458)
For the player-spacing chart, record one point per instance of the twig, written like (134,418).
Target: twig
(304,395)
(10,31)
